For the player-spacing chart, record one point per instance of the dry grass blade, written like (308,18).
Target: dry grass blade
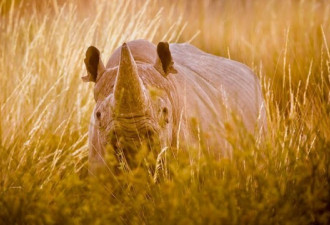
(45,111)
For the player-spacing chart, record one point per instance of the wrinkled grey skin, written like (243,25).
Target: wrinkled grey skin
(148,94)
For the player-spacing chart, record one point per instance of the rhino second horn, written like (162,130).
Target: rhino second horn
(129,91)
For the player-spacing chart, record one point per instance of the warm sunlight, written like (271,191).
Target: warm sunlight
(279,175)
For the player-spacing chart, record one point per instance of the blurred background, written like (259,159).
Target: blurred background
(45,110)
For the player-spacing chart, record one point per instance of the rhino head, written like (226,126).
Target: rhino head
(128,116)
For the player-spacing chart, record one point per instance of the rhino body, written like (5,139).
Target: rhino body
(184,92)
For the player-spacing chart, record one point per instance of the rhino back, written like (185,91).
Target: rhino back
(214,83)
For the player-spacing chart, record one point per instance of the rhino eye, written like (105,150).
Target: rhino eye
(165,111)
(98,115)
(165,114)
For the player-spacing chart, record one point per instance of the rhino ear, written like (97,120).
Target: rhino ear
(93,64)
(164,62)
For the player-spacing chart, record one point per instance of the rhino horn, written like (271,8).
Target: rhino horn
(129,91)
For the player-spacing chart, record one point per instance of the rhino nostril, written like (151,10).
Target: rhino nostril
(149,133)
(98,114)
(113,137)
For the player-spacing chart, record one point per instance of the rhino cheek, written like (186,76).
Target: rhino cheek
(96,148)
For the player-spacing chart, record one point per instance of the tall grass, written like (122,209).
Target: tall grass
(45,111)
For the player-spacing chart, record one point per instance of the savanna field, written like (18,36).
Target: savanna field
(45,112)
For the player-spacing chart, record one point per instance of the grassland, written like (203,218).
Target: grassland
(45,111)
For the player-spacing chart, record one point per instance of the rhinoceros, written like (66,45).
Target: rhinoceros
(167,95)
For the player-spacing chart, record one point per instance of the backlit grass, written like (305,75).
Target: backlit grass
(45,112)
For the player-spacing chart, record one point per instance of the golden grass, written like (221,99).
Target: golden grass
(45,111)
